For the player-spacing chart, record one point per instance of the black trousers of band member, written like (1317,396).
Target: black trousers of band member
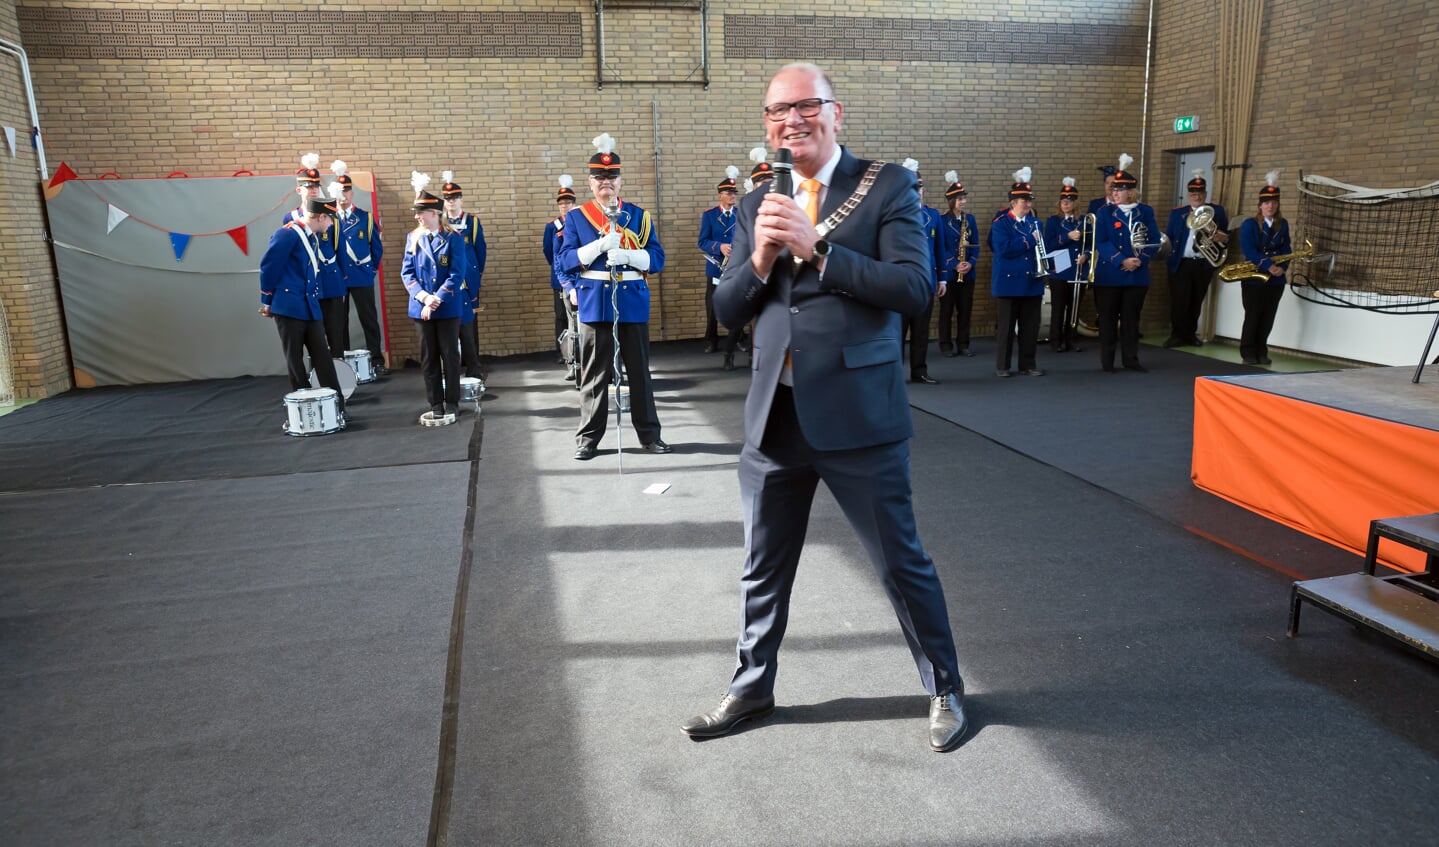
(1119,308)
(335,314)
(1187,288)
(440,360)
(296,337)
(470,348)
(562,323)
(958,304)
(732,336)
(1261,304)
(597,355)
(1018,321)
(918,328)
(1061,313)
(777,483)
(363,301)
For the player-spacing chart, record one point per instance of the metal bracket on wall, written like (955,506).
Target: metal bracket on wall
(701,7)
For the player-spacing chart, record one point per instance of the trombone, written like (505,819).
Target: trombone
(1084,274)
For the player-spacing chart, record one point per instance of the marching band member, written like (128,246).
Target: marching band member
(1189,272)
(716,236)
(334,310)
(1103,200)
(1017,278)
(1127,239)
(1260,237)
(359,247)
(564,311)
(592,246)
(918,325)
(290,273)
(307,185)
(433,272)
(960,255)
(468,226)
(762,171)
(1064,231)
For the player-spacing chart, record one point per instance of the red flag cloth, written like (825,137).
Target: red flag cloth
(240,235)
(63,174)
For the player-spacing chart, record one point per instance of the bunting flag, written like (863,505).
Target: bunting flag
(179,241)
(63,174)
(240,235)
(10,140)
(113,218)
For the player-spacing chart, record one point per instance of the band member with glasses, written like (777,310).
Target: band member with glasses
(827,399)
(1190,273)
(1064,230)
(959,254)
(1262,237)
(1127,238)
(716,236)
(433,271)
(1017,279)
(598,249)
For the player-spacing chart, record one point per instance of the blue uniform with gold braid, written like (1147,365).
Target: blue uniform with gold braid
(958,301)
(1189,277)
(594,289)
(359,246)
(1018,292)
(716,229)
(1118,293)
(1260,240)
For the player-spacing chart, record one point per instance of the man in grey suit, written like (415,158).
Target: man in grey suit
(827,400)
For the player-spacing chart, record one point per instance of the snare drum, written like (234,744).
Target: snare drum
(313,411)
(343,372)
(359,362)
(471,389)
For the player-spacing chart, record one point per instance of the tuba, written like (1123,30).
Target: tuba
(1201,221)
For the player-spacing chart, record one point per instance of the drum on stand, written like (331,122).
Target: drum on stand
(471,389)
(359,362)
(313,411)
(343,372)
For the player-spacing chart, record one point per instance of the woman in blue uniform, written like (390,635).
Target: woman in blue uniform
(1261,237)
(433,272)
(960,255)
(1016,279)
(1127,239)
(1064,231)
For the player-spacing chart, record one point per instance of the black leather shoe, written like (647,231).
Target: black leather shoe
(965,351)
(584,454)
(1195,342)
(947,722)
(1171,342)
(731,711)
(1002,374)
(1135,366)
(1032,372)
(947,349)
(657,446)
(924,378)
(1265,360)
(438,411)
(728,362)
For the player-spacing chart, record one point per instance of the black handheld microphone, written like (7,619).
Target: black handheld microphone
(783,182)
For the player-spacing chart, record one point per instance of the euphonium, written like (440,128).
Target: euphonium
(1201,221)
(1249,270)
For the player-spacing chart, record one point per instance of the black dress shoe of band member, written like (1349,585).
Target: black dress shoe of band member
(924,378)
(1135,366)
(584,454)
(1002,374)
(1032,372)
(742,344)
(438,410)
(657,446)
(1171,341)
(728,362)
(1265,360)
(709,346)
(722,719)
(965,351)
(947,722)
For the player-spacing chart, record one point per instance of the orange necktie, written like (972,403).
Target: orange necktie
(812,186)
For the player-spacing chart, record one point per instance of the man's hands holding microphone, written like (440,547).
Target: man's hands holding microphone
(780,224)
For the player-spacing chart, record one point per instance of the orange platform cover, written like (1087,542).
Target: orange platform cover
(1326,472)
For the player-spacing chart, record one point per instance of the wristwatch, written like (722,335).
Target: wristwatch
(821,249)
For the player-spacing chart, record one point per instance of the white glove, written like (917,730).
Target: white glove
(637,259)
(589,252)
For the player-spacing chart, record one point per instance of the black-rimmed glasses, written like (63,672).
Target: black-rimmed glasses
(807,108)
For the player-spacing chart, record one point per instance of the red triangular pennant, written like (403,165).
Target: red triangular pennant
(63,174)
(240,235)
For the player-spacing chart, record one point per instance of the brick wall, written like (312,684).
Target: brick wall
(29,293)
(504,94)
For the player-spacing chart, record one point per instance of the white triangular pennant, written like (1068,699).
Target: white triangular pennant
(10,140)
(115,216)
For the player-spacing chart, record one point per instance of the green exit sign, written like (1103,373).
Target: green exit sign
(1188,123)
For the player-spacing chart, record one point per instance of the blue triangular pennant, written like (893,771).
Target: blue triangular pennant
(179,241)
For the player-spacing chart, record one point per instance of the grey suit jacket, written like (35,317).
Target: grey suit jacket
(843,330)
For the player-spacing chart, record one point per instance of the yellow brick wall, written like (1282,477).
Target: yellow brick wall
(29,292)
(509,125)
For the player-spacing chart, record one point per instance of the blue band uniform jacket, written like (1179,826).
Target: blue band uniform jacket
(290,274)
(716,228)
(1259,243)
(435,264)
(1113,238)
(843,329)
(550,243)
(467,226)
(1013,242)
(359,247)
(952,237)
(1178,231)
(594,294)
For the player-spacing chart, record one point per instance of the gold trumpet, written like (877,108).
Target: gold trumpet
(1249,270)
(1201,221)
